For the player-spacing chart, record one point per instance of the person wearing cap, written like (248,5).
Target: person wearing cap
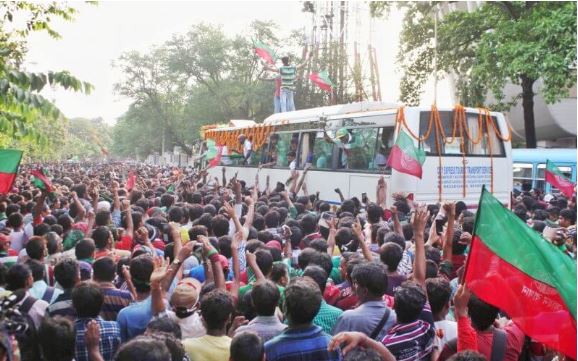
(351,147)
(184,303)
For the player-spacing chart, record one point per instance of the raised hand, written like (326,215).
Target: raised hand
(450,208)
(160,271)
(356,226)
(419,220)
(461,299)
(251,258)
(125,205)
(229,209)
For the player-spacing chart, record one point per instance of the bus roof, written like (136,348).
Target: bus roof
(566,155)
(306,115)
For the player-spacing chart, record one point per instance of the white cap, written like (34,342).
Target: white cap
(103,206)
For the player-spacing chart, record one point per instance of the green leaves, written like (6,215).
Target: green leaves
(490,46)
(26,117)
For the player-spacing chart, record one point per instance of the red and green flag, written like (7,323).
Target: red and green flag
(264,52)
(9,162)
(40,179)
(510,266)
(322,80)
(405,157)
(131,181)
(558,180)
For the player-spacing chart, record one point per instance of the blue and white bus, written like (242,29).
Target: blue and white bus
(529,166)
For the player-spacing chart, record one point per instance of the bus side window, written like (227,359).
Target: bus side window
(482,148)
(362,152)
(305,154)
(259,154)
(385,141)
(319,151)
(447,145)
(522,174)
(288,142)
(452,145)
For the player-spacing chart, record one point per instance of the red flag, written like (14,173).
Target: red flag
(322,80)
(553,176)
(217,160)
(130,182)
(405,157)
(512,267)
(40,180)
(9,162)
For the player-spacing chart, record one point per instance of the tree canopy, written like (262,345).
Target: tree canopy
(28,120)
(487,47)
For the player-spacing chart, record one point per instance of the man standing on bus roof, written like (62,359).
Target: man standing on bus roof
(288,74)
(247,148)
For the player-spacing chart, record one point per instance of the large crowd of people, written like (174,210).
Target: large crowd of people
(182,266)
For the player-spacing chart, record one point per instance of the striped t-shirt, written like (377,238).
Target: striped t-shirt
(288,75)
(114,301)
(411,341)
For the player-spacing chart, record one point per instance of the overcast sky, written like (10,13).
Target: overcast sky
(100,34)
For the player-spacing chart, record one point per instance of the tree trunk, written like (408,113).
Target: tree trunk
(528,105)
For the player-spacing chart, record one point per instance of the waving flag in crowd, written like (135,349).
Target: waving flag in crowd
(131,181)
(264,52)
(9,162)
(322,80)
(513,268)
(40,179)
(405,157)
(558,180)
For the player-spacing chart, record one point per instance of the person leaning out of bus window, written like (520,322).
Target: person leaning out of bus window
(247,148)
(380,160)
(352,155)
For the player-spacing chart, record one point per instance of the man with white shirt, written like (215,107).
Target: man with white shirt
(247,148)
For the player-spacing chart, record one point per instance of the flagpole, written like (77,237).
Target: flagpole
(435,59)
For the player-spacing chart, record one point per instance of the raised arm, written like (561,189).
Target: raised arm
(224,176)
(302,179)
(358,231)
(341,197)
(125,207)
(116,199)
(81,211)
(237,239)
(213,256)
(267,186)
(450,209)
(397,228)
(252,262)
(331,238)
(93,193)
(157,293)
(381,193)
(250,216)
(419,221)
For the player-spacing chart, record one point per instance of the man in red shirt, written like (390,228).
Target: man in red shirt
(503,343)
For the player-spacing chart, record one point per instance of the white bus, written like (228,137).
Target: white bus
(486,157)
